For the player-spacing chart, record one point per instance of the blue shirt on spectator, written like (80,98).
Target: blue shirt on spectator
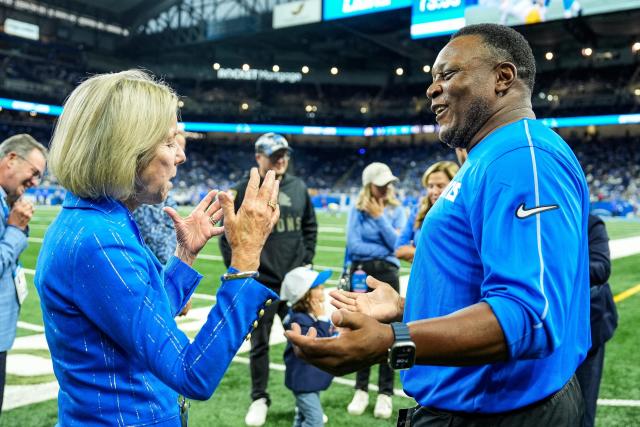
(108,307)
(156,228)
(13,242)
(484,242)
(410,235)
(371,238)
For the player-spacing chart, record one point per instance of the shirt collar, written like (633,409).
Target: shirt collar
(106,205)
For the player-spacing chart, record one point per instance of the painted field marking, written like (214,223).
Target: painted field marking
(30,326)
(618,402)
(280,367)
(626,294)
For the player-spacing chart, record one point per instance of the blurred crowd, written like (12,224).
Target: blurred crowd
(611,165)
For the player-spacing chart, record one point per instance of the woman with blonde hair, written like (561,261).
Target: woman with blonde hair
(373,227)
(435,179)
(107,302)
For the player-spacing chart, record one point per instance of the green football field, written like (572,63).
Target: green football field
(620,391)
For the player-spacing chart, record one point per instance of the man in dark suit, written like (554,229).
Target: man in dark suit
(604,317)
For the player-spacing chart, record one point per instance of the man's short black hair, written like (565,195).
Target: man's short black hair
(505,44)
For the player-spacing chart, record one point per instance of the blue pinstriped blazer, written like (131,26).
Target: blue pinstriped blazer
(13,242)
(109,308)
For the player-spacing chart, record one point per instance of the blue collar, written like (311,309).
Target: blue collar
(107,205)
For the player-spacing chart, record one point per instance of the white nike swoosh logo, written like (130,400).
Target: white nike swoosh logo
(523,213)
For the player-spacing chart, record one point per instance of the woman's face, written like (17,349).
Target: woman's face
(436,183)
(317,293)
(379,193)
(155,180)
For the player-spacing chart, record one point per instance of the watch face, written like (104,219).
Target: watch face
(402,355)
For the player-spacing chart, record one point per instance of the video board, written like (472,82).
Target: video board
(337,9)
(430,18)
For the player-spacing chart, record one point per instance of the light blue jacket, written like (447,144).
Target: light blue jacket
(371,238)
(109,308)
(12,243)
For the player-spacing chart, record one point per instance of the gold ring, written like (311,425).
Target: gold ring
(272,204)
(213,222)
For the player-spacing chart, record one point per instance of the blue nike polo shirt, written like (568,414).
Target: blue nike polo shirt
(510,230)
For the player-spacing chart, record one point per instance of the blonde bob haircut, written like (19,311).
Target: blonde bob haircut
(109,131)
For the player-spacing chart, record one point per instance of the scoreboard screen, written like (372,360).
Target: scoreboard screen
(336,9)
(430,18)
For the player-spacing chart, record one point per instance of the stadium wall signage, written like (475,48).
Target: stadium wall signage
(560,122)
(239,74)
(297,13)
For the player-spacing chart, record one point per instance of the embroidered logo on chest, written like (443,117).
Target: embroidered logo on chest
(451,192)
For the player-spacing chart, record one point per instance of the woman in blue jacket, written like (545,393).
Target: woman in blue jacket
(373,227)
(107,302)
(435,179)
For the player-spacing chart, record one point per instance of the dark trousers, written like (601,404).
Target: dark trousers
(388,273)
(3,371)
(589,375)
(562,409)
(259,354)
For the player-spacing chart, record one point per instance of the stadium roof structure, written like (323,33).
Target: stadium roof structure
(181,40)
(126,13)
(241,30)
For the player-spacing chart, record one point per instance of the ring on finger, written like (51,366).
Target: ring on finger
(213,221)
(272,204)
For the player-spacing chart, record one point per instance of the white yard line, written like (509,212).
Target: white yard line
(16,396)
(331,230)
(621,248)
(344,381)
(30,326)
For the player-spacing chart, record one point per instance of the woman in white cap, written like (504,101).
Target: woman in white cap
(373,227)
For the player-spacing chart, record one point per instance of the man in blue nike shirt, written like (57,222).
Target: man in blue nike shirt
(494,312)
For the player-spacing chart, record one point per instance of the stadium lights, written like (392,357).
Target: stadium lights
(549,97)
(244,106)
(334,70)
(305,69)
(33,113)
(399,71)
(587,51)
(245,67)
(548,56)
(275,68)
(426,68)
(364,109)
(180,104)
(542,95)
(636,91)
(308,108)
(635,48)
(216,66)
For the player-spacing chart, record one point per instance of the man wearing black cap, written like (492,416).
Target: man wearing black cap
(292,243)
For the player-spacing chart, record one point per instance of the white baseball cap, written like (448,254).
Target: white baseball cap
(298,281)
(378,174)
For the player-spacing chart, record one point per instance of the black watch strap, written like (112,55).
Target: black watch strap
(400,331)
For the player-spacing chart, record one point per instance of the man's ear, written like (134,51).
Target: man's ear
(506,75)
